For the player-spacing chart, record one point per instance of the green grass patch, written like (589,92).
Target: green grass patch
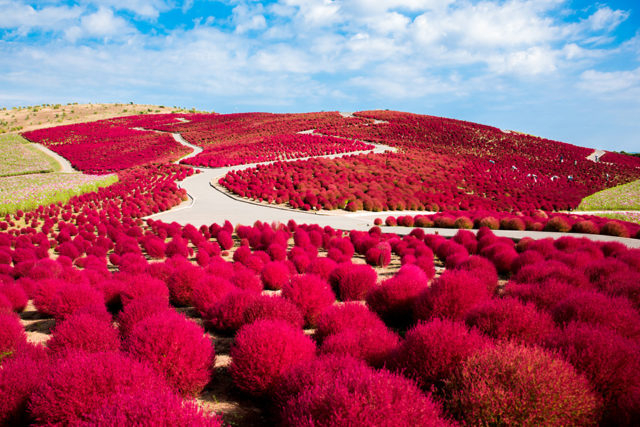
(19,157)
(27,192)
(623,216)
(621,198)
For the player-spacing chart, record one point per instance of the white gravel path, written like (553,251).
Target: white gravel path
(595,153)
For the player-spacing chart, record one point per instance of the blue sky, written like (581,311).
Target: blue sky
(562,69)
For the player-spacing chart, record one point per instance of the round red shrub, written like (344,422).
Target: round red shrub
(69,298)
(19,377)
(374,345)
(80,383)
(482,269)
(586,227)
(11,334)
(208,291)
(355,281)
(350,315)
(379,255)
(140,308)
(305,375)
(510,319)
(490,222)
(83,332)
(275,275)
(176,348)
(547,390)
(143,285)
(15,295)
(451,296)
(611,364)
(228,314)
(182,281)
(595,308)
(246,279)
(263,351)
(432,351)
(5,305)
(542,272)
(225,240)
(143,409)
(393,299)
(267,307)
(155,247)
(311,294)
(614,228)
(321,267)
(543,295)
(557,224)
(362,397)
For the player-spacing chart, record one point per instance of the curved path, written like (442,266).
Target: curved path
(596,153)
(65,165)
(208,205)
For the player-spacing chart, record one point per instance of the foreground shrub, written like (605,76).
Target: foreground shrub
(515,385)
(393,299)
(263,351)
(182,282)
(543,295)
(305,375)
(83,382)
(612,365)
(451,296)
(509,319)
(275,275)
(177,348)
(432,351)
(11,334)
(274,307)
(71,297)
(142,409)
(311,294)
(592,307)
(362,397)
(19,376)
(84,332)
(351,315)
(227,315)
(14,293)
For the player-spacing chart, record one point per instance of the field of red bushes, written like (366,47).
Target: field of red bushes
(110,319)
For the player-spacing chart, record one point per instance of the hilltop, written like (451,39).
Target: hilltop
(21,119)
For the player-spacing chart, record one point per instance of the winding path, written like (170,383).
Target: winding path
(596,153)
(210,203)
(65,165)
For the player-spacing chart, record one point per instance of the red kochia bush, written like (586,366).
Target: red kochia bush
(350,315)
(80,383)
(11,334)
(311,294)
(432,351)
(143,285)
(356,281)
(84,332)
(515,385)
(143,409)
(19,376)
(15,294)
(592,307)
(177,348)
(483,269)
(225,240)
(227,315)
(208,291)
(374,345)
(612,365)
(182,281)
(305,375)
(510,319)
(275,275)
(451,296)
(263,351)
(140,308)
(273,308)
(393,299)
(362,397)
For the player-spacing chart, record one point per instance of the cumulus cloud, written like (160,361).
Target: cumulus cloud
(25,18)
(611,82)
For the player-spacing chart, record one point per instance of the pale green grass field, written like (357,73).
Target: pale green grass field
(624,197)
(18,157)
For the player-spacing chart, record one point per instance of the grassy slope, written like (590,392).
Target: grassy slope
(624,197)
(19,157)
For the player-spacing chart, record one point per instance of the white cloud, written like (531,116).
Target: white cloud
(248,19)
(103,24)
(611,82)
(25,18)
(606,19)
(530,62)
(144,8)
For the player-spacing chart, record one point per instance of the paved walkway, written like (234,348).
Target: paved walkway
(65,165)
(208,205)
(596,153)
